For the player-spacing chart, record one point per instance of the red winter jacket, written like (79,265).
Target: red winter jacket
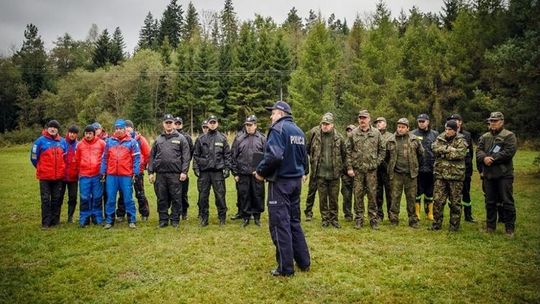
(71,165)
(47,156)
(88,156)
(122,156)
(145,150)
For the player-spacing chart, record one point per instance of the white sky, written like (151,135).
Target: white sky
(56,17)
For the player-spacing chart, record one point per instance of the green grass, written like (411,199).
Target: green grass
(231,264)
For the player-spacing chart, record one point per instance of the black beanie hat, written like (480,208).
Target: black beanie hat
(452,124)
(53,124)
(74,129)
(90,128)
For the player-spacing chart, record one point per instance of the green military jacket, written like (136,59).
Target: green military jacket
(415,150)
(450,157)
(365,150)
(502,146)
(314,148)
(386,136)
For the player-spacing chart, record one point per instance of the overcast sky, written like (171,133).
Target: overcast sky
(56,17)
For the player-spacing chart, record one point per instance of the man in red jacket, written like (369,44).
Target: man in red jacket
(47,156)
(120,164)
(88,162)
(71,179)
(138,183)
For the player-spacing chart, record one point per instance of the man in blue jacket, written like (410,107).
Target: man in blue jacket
(284,165)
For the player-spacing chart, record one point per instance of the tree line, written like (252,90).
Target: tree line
(474,57)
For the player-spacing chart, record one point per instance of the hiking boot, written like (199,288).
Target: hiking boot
(277,273)
(245,222)
(257,222)
(132,226)
(107,226)
(203,222)
(236,217)
(467,211)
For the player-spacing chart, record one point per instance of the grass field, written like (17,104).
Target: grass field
(231,264)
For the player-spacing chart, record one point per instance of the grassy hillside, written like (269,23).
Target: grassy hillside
(232,264)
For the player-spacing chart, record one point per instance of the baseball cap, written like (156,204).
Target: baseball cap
(328,118)
(380,119)
(455,117)
(452,124)
(251,119)
(178,119)
(120,123)
(168,117)
(403,121)
(423,116)
(350,127)
(364,113)
(96,125)
(204,123)
(280,105)
(129,123)
(212,118)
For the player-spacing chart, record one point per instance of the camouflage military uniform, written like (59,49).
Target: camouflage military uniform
(449,174)
(333,158)
(404,179)
(365,152)
(383,182)
(312,184)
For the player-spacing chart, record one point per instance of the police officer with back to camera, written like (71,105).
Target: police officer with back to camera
(246,146)
(211,164)
(496,150)
(179,126)
(167,169)
(284,166)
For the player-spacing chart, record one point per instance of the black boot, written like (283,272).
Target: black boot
(467,210)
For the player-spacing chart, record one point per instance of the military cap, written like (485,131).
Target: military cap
(380,119)
(178,119)
(328,118)
(204,123)
(350,127)
(129,123)
(496,116)
(403,121)
(364,113)
(452,124)
(455,117)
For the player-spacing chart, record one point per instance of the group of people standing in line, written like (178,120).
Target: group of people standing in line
(369,160)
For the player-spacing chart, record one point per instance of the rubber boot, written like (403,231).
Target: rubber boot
(467,210)
(417,210)
(430,212)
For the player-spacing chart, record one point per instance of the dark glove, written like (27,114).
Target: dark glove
(197,173)
(226,173)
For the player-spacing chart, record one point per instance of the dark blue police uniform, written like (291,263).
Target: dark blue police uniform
(283,165)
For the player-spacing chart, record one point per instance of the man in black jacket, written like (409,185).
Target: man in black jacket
(167,168)
(178,125)
(211,164)
(247,147)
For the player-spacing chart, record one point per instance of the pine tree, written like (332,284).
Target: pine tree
(101,55)
(116,53)
(192,26)
(148,35)
(281,68)
(206,82)
(311,20)
(186,104)
(229,23)
(32,60)
(450,12)
(171,24)
(293,21)
(140,110)
(68,54)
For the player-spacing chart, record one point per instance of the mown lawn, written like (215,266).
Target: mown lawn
(231,264)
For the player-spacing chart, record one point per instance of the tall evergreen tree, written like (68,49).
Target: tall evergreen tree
(140,110)
(311,19)
(450,12)
(186,104)
(116,53)
(293,21)
(171,24)
(68,54)
(10,80)
(229,23)
(148,34)
(206,81)
(102,51)
(32,61)
(281,68)
(192,26)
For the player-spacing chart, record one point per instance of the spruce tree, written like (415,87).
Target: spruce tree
(450,12)
(32,60)
(281,68)
(229,23)
(206,82)
(140,110)
(101,55)
(186,104)
(192,25)
(116,53)
(147,34)
(171,24)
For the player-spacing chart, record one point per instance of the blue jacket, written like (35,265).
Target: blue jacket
(285,151)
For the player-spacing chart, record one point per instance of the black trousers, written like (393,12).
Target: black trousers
(383,187)
(169,194)
(138,186)
(72,189)
(185,189)
(215,180)
(500,201)
(51,205)
(250,196)
(347,193)
(466,193)
(425,184)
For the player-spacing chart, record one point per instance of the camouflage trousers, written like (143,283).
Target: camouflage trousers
(312,191)
(365,183)
(447,190)
(403,183)
(383,187)
(328,199)
(346,193)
